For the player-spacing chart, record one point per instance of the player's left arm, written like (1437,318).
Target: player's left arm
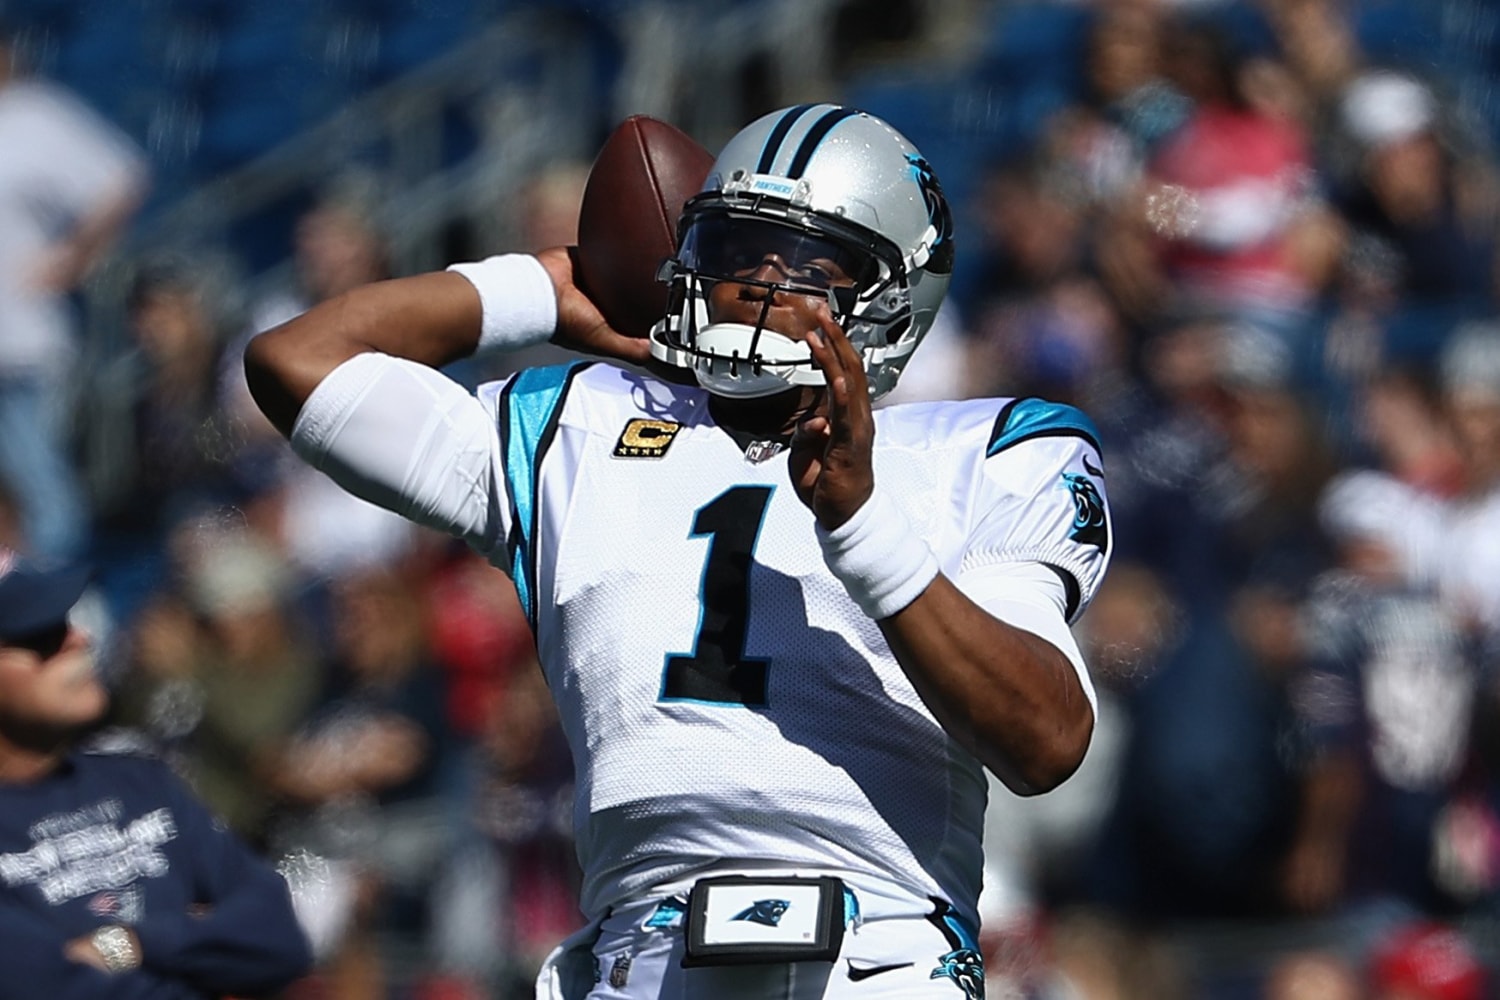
(1010,696)
(1013,698)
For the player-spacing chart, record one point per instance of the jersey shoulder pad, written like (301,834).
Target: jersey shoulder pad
(1026,419)
(954,427)
(1045,476)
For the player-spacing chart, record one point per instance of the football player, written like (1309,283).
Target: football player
(785,632)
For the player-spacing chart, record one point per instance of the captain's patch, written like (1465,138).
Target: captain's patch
(643,438)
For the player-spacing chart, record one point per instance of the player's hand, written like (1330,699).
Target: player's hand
(580,325)
(831,460)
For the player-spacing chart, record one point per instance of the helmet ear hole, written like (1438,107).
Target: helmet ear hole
(941,261)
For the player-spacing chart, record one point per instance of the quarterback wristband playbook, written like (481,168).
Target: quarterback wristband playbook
(880,561)
(739,920)
(517,298)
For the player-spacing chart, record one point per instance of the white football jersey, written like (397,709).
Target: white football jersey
(726,702)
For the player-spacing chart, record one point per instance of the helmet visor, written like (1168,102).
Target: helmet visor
(726,246)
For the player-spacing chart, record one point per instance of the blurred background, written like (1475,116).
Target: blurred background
(1254,239)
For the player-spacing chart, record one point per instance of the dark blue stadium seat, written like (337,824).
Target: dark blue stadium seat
(268,34)
(1398,32)
(235,132)
(347,43)
(108,56)
(591,8)
(186,47)
(274,75)
(1035,43)
(413,32)
(250,109)
(32,12)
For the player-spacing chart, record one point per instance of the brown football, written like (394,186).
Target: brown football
(627,223)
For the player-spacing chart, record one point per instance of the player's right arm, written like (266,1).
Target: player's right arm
(432,319)
(354,384)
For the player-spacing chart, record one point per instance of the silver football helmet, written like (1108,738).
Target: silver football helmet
(826,191)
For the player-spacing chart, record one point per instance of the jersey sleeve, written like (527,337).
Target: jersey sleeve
(407,438)
(1041,498)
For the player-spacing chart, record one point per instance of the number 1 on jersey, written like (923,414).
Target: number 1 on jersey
(717,669)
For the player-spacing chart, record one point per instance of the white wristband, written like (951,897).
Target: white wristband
(518,301)
(880,561)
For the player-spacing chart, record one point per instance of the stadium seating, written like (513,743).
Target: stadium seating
(208,85)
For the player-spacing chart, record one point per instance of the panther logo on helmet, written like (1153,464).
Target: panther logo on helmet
(932,196)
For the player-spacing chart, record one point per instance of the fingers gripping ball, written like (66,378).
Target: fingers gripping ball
(627,224)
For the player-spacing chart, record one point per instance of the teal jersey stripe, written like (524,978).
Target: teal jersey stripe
(958,932)
(962,931)
(529,410)
(1024,419)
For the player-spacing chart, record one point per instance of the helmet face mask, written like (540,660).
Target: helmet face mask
(813,201)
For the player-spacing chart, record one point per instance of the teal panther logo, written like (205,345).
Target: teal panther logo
(938,212)
(966,968)
(1089,524)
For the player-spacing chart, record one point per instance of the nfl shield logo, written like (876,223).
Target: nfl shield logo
(619,973)
(759,451)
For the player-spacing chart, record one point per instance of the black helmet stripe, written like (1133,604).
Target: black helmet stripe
(814,136)
(778,136)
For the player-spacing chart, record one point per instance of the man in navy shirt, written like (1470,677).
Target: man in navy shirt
(115,882)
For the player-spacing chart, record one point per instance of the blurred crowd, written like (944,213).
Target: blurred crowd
(1269,273)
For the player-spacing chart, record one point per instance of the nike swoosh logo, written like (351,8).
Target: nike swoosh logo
(1089,467)
(855,975)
